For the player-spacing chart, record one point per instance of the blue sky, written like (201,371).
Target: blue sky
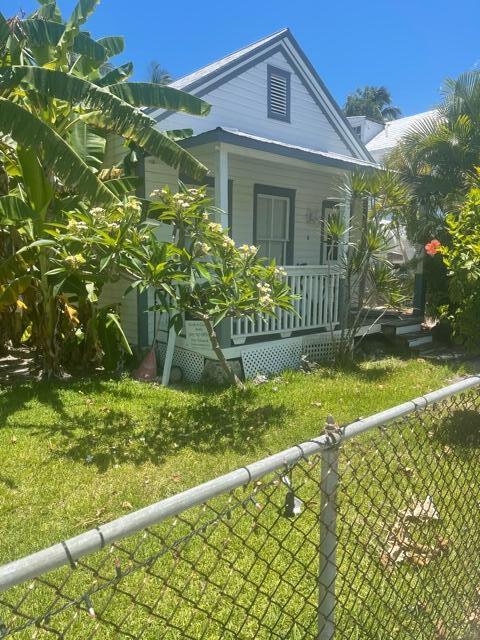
(410,46)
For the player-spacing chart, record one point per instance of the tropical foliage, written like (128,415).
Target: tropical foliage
(436,161)
(373,102)
(158,74)
(370,280)
(60,102)
(438,156)
(461,256)
(202,274)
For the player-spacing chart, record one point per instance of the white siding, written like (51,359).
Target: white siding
(311,188)
(241,103)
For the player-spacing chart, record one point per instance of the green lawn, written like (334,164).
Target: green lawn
(74,454)
(77,454)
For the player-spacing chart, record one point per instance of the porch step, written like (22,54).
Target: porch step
(417,339)
(401,325)
(406,332)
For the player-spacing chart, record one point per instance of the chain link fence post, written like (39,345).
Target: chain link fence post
(328,534)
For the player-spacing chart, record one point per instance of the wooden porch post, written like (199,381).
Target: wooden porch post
(343,301)
(223,330)
(221,183)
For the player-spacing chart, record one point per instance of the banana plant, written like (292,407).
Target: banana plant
(61,98)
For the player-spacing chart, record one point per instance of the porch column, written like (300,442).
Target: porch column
(221,183)
(221,201)
(347,216)
(343,293)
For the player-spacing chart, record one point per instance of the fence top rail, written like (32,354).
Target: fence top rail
(66,552)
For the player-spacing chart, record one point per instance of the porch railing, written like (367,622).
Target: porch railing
(317,305)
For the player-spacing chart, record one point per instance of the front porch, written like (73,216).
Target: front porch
(317,303)
(265,344)
(276,197)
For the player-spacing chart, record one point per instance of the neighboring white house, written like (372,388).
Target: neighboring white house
(278,147)
(381,138)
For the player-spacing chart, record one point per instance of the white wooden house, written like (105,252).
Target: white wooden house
(278,147)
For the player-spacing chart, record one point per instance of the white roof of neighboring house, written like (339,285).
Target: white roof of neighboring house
(394,131)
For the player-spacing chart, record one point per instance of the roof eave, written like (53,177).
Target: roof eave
(276,148)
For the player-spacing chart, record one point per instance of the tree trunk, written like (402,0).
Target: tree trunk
(229,373)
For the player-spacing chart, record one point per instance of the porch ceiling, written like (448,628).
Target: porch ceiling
(276,147)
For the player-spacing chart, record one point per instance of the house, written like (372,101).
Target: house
(380,138)
(278,147)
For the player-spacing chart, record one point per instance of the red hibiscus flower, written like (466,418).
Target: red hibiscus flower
(432,247)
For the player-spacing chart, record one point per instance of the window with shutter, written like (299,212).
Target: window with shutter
(278,94)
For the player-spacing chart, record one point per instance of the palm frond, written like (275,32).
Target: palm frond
(113,44)
(81,13)
(116,75)
(4,30)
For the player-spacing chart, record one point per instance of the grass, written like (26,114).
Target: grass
(78,454)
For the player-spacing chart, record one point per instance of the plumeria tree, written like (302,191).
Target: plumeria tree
(201,273)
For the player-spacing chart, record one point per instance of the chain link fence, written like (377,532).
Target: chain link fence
(371,530)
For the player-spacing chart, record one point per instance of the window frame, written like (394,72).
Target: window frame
(275,71)
(279,193)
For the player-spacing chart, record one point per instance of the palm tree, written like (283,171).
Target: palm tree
(437,157)
(158,74)
(373,102)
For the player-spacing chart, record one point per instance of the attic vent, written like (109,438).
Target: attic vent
(278,94)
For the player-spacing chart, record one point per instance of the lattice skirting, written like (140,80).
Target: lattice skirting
(191,363)
(275,357)
(286,354)
(320,348)
(281,355)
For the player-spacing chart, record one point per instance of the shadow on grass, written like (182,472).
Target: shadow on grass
(461,430)
(160,423)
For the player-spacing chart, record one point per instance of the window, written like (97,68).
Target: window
(358,131)
(274,222)
(278,94)
(330,245)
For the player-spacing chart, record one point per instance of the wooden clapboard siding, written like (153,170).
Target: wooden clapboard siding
(311,187)
(241,103)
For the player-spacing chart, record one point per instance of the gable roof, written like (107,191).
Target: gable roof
(394,130)
(204,80)
(187,82)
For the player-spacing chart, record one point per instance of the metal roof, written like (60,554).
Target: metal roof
(186,81)
(394,130)
(247,140)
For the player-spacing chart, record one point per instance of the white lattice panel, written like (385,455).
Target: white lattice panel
(320,348)
(191,363)
(278,357)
